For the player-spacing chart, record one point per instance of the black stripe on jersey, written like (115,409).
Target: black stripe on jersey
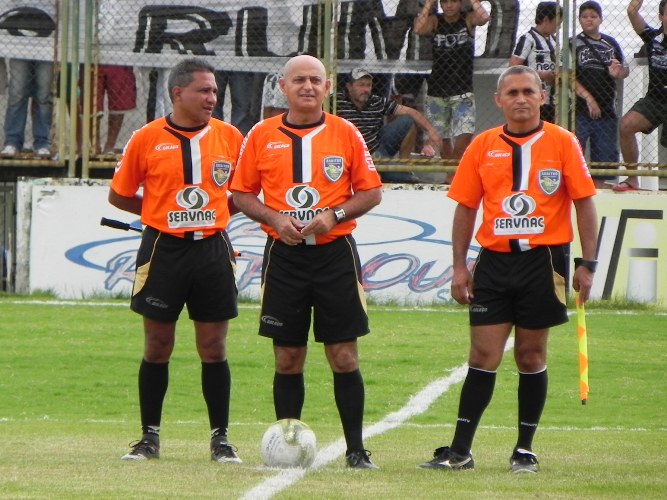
(186,155)
(516,162)
(518,50)
(297,160)
(515,247)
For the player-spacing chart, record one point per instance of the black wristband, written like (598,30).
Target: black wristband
(591,265)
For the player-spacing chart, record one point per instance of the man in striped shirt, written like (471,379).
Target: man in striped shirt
(367,111)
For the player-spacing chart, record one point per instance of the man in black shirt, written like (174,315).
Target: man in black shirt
(649,111)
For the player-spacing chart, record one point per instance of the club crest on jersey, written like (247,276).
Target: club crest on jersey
(221,171)
(549,180)
(333,167)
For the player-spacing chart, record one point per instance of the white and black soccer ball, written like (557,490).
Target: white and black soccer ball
(289,443)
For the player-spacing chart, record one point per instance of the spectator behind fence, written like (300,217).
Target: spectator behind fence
(450,102)
(599,64)
(537,49)
(273,100)
(245,90)
(651,110)
(28,79)
(367,111)
(154,87)
(119,85)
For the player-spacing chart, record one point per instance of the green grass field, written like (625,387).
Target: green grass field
(68,408)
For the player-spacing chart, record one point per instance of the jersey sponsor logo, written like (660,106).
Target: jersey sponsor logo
(221,172)
(303,198)
(193,199)
(277,145)
(549,180)
(512,226)
(497,153)
(165,146)
(333,167)
(518,206)
(190,218)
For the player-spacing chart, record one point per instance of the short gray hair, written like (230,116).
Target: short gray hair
(182,74)
(518,70)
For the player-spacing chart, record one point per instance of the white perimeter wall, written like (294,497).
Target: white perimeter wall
(404,244)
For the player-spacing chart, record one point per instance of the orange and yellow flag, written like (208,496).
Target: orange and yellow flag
(583,351)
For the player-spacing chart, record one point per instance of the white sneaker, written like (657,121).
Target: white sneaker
(9,150)
(43,152)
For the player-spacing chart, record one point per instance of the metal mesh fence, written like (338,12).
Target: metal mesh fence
(78,77)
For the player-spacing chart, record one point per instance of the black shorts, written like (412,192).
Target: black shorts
(526,289)
(654,109)
(324,279)
(173,272)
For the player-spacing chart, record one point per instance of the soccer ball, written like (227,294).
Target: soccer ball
(289,443)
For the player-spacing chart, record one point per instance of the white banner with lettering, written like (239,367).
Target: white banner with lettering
(404,245)
(234,34)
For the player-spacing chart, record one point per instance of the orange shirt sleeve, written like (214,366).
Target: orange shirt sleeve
(131,169)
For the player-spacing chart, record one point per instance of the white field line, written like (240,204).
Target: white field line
(416,405)
(74,302)
(444,425)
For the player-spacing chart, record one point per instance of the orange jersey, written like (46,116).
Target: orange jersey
(305,170)
(526,184)
(185,174)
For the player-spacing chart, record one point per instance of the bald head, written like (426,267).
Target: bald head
(303,62)
(305,86)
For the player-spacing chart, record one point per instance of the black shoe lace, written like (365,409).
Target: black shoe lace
(144,444)
(226,448)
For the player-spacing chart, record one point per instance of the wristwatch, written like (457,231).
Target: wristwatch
(339,214)
(591,265)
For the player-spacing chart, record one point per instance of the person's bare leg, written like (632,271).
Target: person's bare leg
(114,125)
(631,124)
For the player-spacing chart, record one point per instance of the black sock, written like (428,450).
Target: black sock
(475,397)
(288,395)
(349,395)
(216,382)
(153,382)
(532,395)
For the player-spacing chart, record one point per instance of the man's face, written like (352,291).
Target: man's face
(519,98)
(590,21)
(195,102)
(305,86)
(451,8)
(360,91)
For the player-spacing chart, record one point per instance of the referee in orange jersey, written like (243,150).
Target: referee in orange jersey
(184,162)
(317,177)
(526,175)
